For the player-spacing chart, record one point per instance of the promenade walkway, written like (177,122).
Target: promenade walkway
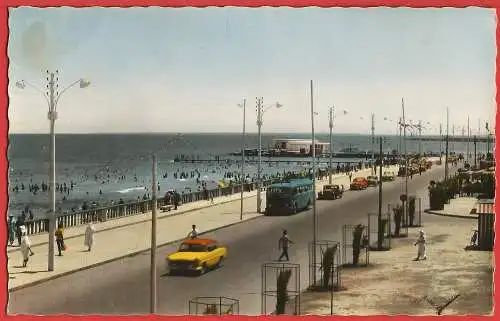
(129,236)
(459,207)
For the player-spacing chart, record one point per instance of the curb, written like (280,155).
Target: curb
(451,215)
(19,287)
(11,250)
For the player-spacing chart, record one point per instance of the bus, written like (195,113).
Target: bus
(289,197)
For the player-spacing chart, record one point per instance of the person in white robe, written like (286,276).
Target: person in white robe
(25,246)
(422,246)
(89,236)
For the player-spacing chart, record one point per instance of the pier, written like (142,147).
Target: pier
(462,139)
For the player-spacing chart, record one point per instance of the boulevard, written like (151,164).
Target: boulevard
(122,287)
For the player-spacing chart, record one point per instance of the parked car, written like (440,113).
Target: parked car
(388,176)
(196,255)
(330,192)
(372,180)
(359,183)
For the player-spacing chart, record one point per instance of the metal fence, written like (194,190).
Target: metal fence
(398,227)
(355,247)
(280,288)
(414,217)
(374,227)
(214,306)
(325,265)
(102,214)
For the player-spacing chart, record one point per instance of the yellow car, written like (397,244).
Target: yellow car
(197,255)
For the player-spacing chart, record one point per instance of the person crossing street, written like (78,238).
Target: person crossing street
(193,234)
(284,245)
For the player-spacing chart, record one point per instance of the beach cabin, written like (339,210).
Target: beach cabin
(299,147)
(485,210)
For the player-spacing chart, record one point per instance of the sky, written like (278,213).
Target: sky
(186,70)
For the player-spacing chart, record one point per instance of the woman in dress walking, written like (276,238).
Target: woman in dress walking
(422,246)
(25,246)
(89,235)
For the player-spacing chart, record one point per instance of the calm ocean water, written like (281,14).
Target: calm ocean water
(87,160)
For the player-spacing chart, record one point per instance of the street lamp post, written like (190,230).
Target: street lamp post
(373,171)
(447,144)
(332,111)
(153,294)
(488,133)
(441,143)
(468,140)
(260,112)
(243,105)
(313,154)
(52,97)
(380,235)
(332,117)
(406,157)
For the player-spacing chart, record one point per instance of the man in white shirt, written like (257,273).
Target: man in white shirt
(193,234)
(283,245)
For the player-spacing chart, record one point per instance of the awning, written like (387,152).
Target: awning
(485,207)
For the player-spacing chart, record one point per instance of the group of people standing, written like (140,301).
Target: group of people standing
(25,243)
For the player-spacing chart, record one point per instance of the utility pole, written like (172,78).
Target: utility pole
(332,111)
(487,140)
(475,151)
(153,298)
(468,139)
(406,159)
(259,153)
(420,138)
(441,143)
(400,137)
(381,163)
(52,116)
(453,139)
(447,143)
(242,160)
(373,143)
(479,134)
(313,153)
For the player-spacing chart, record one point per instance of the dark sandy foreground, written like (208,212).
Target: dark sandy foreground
(395,284)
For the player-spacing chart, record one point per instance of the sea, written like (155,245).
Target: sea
(106,167)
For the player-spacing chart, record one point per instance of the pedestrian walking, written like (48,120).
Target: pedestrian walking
(193,234)
(473,239)
(422,246)
(284,245)
(25,246)
(19,223)
(60,239)
(89,236)
(177,199)
(11,225)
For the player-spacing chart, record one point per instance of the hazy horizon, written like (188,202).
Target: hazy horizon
(185,70)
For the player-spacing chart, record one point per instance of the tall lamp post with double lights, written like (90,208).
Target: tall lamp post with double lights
(398,133)
(52,96)
(405,125)
(260,113)
(332,117)
(243,106)
(489,155)
(313,156)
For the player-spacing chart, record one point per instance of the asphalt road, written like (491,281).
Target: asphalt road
(122,287)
